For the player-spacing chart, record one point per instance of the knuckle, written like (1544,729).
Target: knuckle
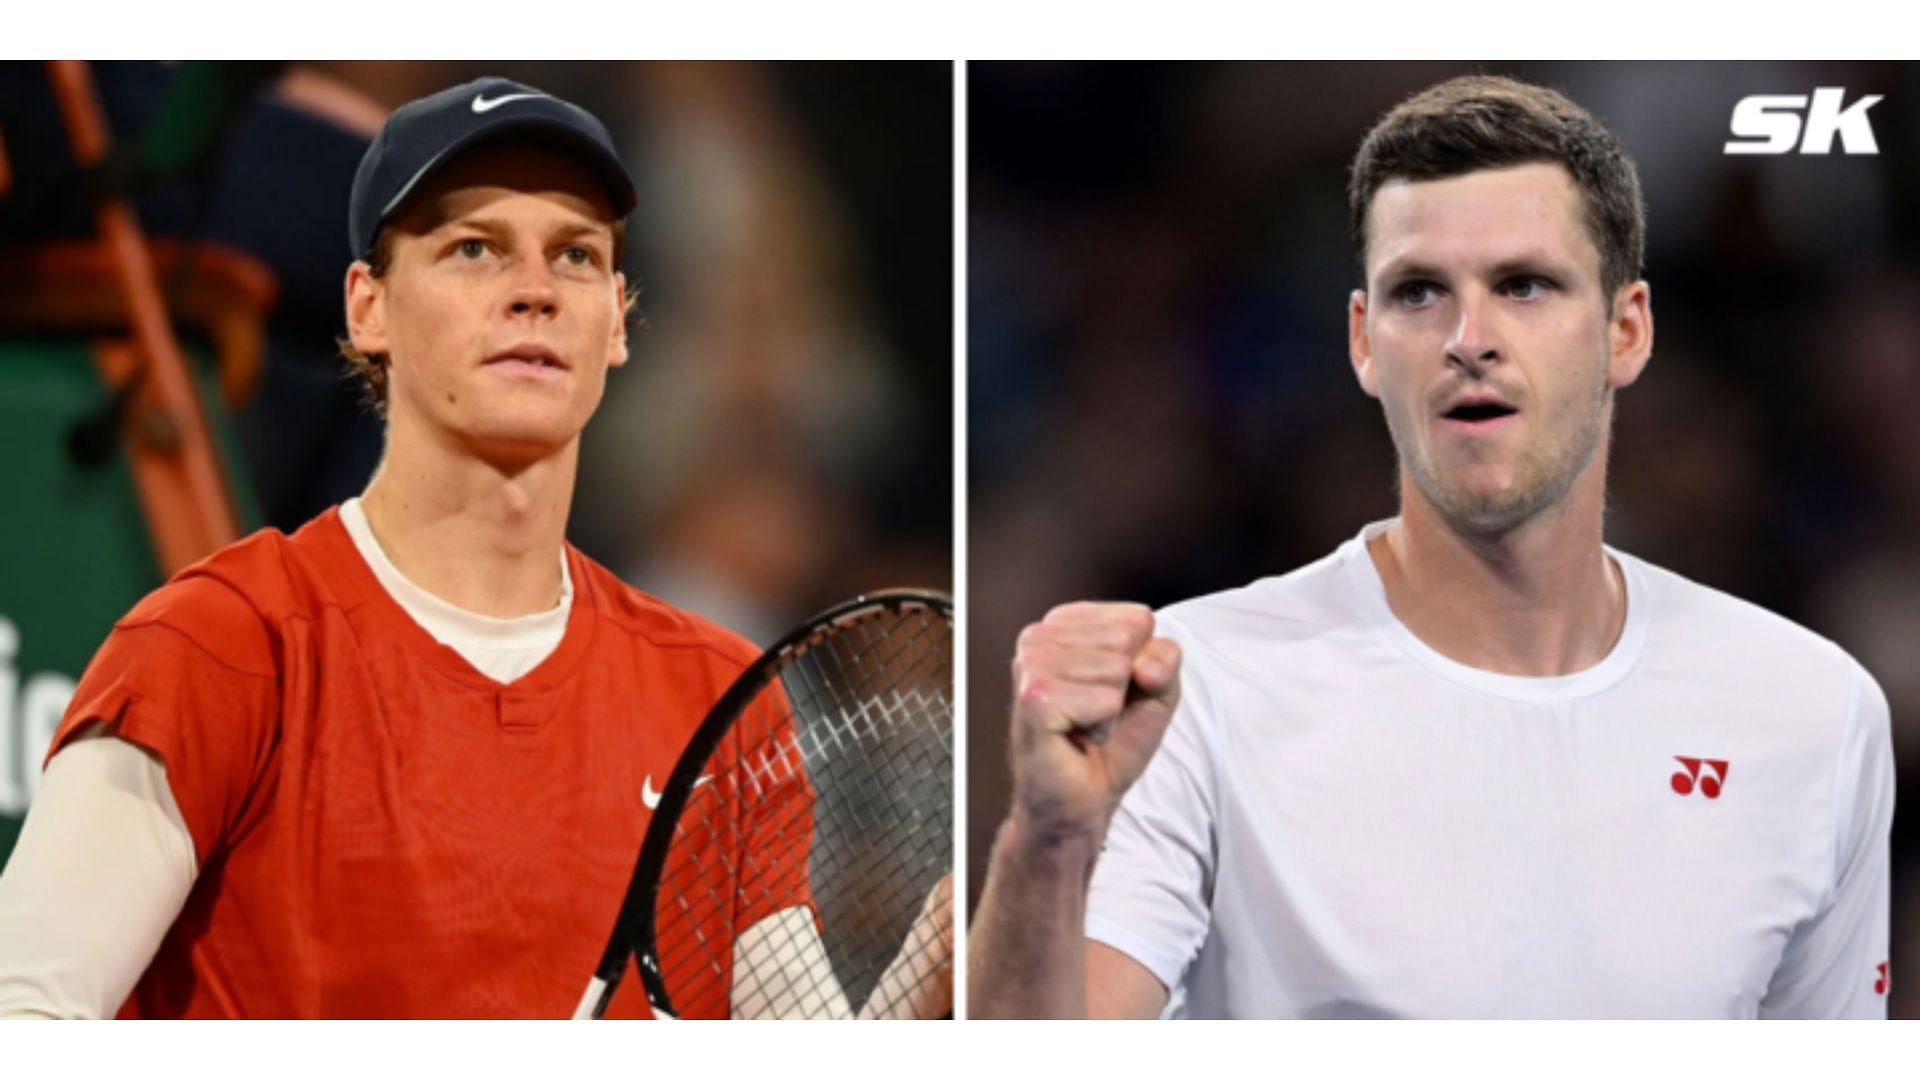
(1034,690)
(1031,636)
(1033,658)
(1067,612)
(1087,611)
(1036,643)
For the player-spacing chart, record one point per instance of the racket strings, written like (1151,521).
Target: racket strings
(799,871)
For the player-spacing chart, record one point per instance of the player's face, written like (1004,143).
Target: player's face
(1486,334)
(501,311)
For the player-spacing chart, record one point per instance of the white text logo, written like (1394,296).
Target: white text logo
(1771,123)
(30,711)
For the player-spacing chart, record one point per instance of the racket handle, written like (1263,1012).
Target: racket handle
(594,1004)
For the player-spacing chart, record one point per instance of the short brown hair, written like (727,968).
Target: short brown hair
(1479,122)
(371,370)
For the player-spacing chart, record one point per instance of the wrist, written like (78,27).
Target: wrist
(1033,840)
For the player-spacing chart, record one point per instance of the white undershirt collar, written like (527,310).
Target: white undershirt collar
(460,629)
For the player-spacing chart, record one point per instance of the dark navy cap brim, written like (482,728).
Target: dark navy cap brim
(533,129)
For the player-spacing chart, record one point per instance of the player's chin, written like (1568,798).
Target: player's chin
(1492,504)
(1464,485)
(523,435)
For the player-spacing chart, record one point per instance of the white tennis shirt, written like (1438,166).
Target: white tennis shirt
(1343,822)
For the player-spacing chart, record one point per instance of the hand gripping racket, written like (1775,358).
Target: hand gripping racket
(798,862)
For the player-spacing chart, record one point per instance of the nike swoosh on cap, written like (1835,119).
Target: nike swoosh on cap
(481,104)
(652,797)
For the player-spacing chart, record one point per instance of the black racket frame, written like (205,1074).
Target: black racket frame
(633,931)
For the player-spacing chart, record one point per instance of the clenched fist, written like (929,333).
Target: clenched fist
(1093,691)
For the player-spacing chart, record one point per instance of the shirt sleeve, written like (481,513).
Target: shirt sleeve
(103,866)
(1835,964)
(1152,890)
(187,676)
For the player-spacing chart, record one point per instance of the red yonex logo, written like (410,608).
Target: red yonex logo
(1880,985)
(1709,785)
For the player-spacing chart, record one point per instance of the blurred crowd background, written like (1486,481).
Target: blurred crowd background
(781,439)
(1160,403)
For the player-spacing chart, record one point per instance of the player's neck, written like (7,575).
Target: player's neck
(482,538)
(1540,600)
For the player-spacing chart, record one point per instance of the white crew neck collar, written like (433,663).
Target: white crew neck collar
(448,623)
(1364,576)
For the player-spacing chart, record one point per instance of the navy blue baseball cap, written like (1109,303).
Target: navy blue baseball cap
(422,136)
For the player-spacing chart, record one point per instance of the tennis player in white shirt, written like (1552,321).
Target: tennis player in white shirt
(1474,762)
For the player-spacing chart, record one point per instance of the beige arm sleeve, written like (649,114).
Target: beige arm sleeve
(102,868)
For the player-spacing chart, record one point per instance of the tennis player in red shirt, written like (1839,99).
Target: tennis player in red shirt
(397,763)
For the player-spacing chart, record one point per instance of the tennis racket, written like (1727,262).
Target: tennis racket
(798,862)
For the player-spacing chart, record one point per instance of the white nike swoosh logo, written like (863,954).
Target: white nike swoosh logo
(481,104)
(652,797)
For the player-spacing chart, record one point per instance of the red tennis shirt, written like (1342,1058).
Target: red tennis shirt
(382,830)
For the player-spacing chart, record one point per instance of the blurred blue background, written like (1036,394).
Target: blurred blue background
(1160,403)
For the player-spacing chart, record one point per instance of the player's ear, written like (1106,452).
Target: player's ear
(617,344)
(1359,346)
(366,310)
(1629,334)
